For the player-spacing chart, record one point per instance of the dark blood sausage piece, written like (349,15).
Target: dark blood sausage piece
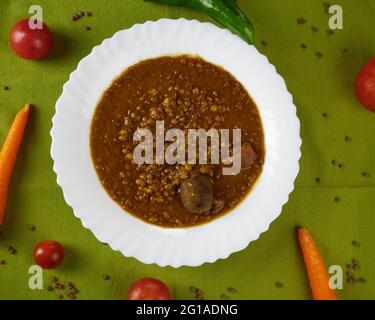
(248,156)
(197,194)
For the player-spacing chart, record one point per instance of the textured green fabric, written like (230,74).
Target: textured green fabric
(318,86)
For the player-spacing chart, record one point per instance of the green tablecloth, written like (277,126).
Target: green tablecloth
(318,85)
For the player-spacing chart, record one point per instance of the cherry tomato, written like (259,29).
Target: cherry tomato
(365,85)
(30,44)
(48,254)
(148,289)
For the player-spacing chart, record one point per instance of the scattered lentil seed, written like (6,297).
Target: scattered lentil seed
(337,199)
(326,5)
(318,180)
(5,88)
(71,296)
(264,43)
(30,227)
(60,296)
(334,162)
(319,55)
(301,20)
(356,244)
(193,289)
(49,288)
(88,13)
(362,280)
(325,115)
(341,166)
(349,266)
(232,290)
(303,46)
(355,262)
(224,296)
(349,274)
(106,277)
(356,267)
(199,297)
(279,285)
(74,290)
(330,32)
(88,28)
(54,279)
(55,286)
(199,292)
(348,139)
(314,29)
(2,262)
(365,174)
(344,50)
(10,249)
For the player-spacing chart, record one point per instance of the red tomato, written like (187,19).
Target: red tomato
(148,289)
(48,254)
(30,44)
(365,85)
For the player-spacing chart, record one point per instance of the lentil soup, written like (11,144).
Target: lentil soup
(186,92)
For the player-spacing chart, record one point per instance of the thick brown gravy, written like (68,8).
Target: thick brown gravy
(187,93)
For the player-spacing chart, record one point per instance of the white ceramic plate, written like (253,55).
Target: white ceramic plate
(99,213)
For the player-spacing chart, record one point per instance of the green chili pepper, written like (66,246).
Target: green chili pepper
(226,12)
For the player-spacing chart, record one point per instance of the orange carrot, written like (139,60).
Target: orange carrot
(316,270)
(8,155)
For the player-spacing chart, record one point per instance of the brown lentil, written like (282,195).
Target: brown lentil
(71,296)
(356,244)
(30,227)
(344,50)
(314,29)
(106,277)
(348,139)
(224,296)
(365,174)
(362,280)
(303,46)
(264,43)
(337,199)
(199,297)
(326,7)
(232,290)
(2,262)
(319,55)
(301,21)
(279,285)
(10,249)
